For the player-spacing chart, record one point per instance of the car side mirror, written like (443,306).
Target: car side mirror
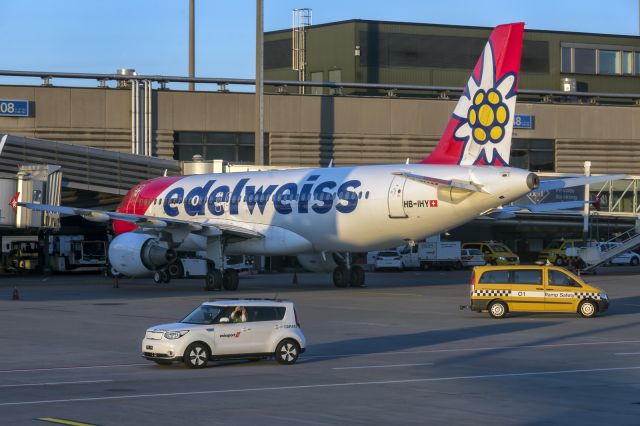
(224,320)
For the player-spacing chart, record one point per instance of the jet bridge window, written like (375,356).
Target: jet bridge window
(536,155)
(235,147)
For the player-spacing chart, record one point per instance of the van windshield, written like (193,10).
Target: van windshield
(499,247)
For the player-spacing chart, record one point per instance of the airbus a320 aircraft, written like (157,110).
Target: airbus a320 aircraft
(323,214)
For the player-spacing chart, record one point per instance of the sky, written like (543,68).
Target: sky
(151,36)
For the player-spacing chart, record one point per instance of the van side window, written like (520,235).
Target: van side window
(495,277)
(559,278)
(527,276)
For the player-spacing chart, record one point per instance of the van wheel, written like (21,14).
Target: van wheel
(196,355)
(559,261)
(497,309)
(634,261)
(287,352)
(587,309)
(175,269)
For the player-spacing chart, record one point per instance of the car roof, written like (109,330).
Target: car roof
(248,302)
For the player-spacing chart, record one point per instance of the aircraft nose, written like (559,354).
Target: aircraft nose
(533,181)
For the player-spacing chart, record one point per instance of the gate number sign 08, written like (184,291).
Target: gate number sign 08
(14,108)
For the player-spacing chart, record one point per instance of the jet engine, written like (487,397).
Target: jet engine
(138,255)
(314,262)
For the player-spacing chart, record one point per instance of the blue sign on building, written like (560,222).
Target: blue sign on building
(14,108)
(523,121)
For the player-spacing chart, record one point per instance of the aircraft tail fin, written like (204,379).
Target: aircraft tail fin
(480,128)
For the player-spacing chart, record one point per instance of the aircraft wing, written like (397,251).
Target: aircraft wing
(210,228)
(453,183)
(550,184)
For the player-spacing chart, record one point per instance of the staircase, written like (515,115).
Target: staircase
(601,253)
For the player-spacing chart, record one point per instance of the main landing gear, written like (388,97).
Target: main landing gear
(218,278)
(345,274)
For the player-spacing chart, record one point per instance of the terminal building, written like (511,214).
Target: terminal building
(371,93)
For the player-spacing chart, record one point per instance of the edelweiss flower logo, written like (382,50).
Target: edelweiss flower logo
(484,114)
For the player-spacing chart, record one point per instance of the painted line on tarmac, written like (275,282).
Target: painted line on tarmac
(381,366)
(628,353)
(63,421)
(79,382)
(82,367)
(557,345)
(322,386)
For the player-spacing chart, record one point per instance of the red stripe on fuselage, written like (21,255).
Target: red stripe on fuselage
(135,200)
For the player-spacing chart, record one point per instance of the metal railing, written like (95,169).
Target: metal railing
(442,92)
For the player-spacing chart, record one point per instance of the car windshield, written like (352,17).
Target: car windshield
(203,314)
(387,254)
(499,248)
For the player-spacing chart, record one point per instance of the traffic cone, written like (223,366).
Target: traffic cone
(16,295)
(295,278)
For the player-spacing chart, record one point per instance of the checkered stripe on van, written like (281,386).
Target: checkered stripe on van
(583,295)
(492,292)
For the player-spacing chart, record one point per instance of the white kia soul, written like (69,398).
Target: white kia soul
(228,329)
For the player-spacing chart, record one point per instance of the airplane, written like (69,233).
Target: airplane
(322,215)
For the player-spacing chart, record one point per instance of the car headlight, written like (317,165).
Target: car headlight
(175,334)
(501,258)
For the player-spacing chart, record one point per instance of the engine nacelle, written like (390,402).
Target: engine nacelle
(138,255)
(314,262)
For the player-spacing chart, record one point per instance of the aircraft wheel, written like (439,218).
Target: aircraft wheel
(356,277)
(559,261)
(230,280)
(166,278)
(213,280)
(157,277)
(341,277)
(176,270)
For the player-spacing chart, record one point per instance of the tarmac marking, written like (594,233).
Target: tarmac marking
(28,370)
(381,366)
(558,345)
(63,421)
(628,353)
(79,382)
(322,386)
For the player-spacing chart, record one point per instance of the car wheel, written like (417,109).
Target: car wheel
(634,261)
(287,352)
(587,309)
(162,362)
(560,261)
(196,355)
(498,309)
(341,277)
(176,270)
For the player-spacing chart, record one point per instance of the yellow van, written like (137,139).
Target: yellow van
(533,288)
(556,251)
(494,253)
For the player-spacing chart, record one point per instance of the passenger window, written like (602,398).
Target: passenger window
(559,278)
(495,277)
(527,277)
(266,313)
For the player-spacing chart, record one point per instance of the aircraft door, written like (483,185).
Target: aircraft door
(395,199)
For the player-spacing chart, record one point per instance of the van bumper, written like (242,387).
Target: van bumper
(603,305)
(479,305)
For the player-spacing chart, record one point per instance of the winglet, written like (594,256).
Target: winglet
(14,201)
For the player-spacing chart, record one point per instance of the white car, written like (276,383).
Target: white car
(388,259)
(231,329)
(628,258)
(472,257)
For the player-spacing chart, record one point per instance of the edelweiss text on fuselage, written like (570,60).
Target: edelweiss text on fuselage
(311,196)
